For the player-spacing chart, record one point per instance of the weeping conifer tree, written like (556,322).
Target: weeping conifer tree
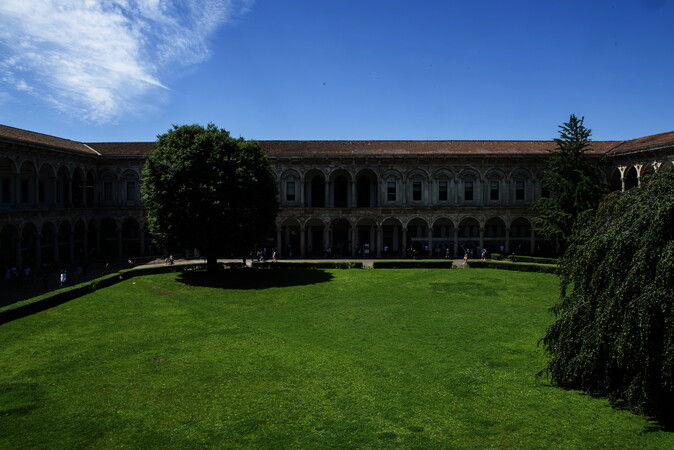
(614,333)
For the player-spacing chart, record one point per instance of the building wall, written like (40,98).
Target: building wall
(65,206)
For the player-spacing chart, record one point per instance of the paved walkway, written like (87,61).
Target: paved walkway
(12,292)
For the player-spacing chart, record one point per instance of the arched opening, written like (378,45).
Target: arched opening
(27,176)
(9,243)
(495,235)
(316,244)
(341,185)
(392,237)
(45,186)
(79,242)
(315,189)
(366,238)
(62,187)
(91,237)
(7,197)
(130,237)
(469,236)
(417,238)
(90,189)
(64,241)
(108,234)
(520,236)
(77,187)
(443,238)
(631,179)
(614,181)
(290,238)
(48,243)
(341,237)
(366,189)
(29,246)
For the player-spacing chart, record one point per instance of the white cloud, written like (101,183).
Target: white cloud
(95,59)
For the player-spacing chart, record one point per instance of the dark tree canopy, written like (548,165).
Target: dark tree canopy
(614,333)
(573,182)
(204,189)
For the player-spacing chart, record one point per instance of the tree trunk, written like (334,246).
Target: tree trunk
(211,263)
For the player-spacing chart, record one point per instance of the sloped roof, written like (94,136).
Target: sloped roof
(313,148)
(42,140)
(122,148)
(646,142)
(347,148)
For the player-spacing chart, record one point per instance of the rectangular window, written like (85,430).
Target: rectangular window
(442,191)
(107,191)
(519,190)
(468,191)
(290,191)
(130,191)
(416,191)
(493,190)
(391,191)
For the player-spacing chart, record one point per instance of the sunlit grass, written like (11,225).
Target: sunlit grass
(339,358)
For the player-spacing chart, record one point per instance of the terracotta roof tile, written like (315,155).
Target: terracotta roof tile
(122,148)
(654,140)
(299,148)
(42,140)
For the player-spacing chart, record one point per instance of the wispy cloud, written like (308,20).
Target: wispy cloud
(95,59)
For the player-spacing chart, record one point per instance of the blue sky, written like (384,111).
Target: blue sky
(126,70)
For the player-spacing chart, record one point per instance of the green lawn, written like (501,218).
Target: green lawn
(310,359)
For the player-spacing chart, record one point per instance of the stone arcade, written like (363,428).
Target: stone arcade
(66,201)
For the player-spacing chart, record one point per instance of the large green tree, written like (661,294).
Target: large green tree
(614,333)
(204,189)
(573,183)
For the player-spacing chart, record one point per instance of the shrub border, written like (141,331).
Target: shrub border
(414,264)
(522,258)
(520,267)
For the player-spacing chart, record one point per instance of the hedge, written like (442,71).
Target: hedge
(414,264)
(309,265)
(521,258)
(521,267)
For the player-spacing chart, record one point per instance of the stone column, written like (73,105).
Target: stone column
(16,188)
(394,246)
(71,246)
(279,241)
(36,189)
(38,253)
(328,203)
(119,241)
(303,250)
(354,203)
(326,236)
(380,240)
(533,241)
(56,245)
(404,249)
(372,238)
(456,242)
(430,241)
(481,237)
(507,242)
(354,240)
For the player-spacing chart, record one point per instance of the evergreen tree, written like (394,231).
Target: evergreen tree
(204,189)
(572,181)
(614,333)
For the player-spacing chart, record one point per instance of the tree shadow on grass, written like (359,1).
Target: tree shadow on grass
(254,278)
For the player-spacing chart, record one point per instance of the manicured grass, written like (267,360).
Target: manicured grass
(318,358)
